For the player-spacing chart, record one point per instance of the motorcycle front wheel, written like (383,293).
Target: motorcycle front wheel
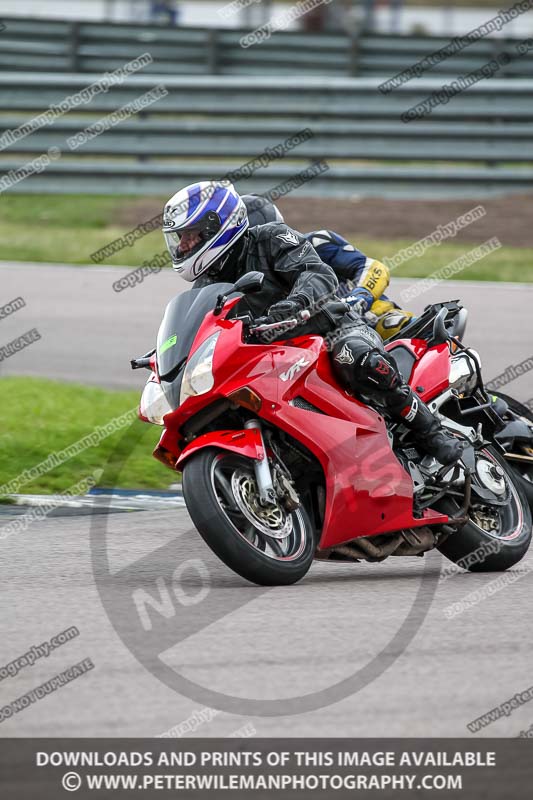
(267,545)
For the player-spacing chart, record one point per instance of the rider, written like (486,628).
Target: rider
(362,279)
(207,233)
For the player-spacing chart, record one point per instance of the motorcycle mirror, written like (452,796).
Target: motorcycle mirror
(249,283)
(221,299)
(144,362)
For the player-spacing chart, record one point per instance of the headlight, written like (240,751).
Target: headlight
(154,404)
(198,376)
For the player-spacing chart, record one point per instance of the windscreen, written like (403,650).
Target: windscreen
(183,317)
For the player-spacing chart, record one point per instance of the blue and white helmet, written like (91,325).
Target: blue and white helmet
(211,216)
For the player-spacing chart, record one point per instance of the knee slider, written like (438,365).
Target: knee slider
(379,369)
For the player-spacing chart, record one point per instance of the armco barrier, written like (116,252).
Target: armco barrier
(56,46)
(208,126)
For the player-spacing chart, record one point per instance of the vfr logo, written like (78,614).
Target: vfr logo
(296,367)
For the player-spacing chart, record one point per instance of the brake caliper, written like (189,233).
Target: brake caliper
(285,490)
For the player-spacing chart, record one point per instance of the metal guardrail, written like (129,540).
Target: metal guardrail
(385,141)
(156,179)
(55,46)
(386,55)
(207,127)
(98,47)
(312,98)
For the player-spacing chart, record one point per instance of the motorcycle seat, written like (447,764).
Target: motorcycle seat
(404,359)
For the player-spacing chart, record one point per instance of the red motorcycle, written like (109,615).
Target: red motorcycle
(282,465)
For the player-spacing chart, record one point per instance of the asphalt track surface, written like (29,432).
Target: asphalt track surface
(275,644)
(90,332)
(242,640)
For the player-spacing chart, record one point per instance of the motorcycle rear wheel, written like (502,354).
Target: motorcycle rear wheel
(523,470)
(268,545)
(512,538)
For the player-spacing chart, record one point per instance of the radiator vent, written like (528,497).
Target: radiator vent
(301,402)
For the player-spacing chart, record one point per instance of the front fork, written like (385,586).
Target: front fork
(263,476)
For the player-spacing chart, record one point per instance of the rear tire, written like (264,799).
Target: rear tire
(523,472)
(513,539)
(220,492)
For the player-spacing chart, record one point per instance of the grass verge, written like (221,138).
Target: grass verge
(39,417)
(71,227)
(505,264)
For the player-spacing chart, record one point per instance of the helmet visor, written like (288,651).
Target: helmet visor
(182,244)
(185,242)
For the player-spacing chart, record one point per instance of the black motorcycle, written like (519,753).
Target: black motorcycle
(513,420)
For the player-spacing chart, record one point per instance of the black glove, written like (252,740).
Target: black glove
(322,321)
(331,315)
(279,312)
(286,309)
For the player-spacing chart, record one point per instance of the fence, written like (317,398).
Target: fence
(480,142)
(55,46)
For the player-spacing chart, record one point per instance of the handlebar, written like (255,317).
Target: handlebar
(140,363)
(284,324)
(144,362)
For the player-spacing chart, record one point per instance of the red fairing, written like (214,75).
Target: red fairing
(432,372)
(245,443)
(431,369)
(368,492)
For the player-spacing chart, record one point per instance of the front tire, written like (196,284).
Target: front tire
(267,546)
(505,528)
